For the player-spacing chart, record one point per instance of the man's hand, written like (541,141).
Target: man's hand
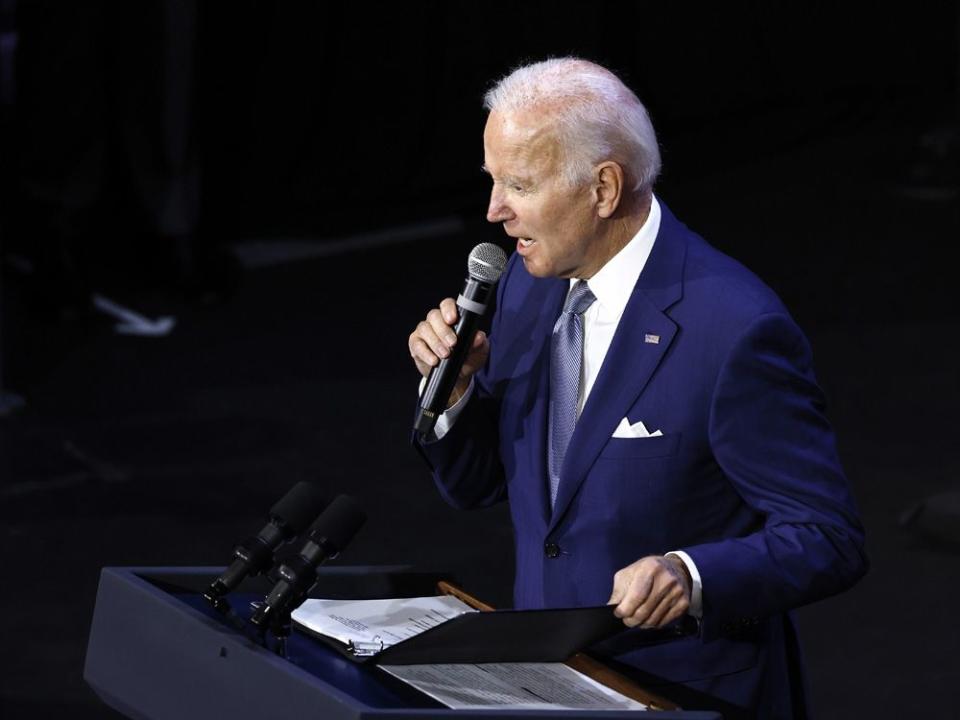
(652,592)
(432,339)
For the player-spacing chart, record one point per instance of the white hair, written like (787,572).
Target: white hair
(597,117)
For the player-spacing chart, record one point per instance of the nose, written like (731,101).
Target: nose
(498,210)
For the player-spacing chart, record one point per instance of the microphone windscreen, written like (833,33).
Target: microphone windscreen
(297,508)
(339,522)
(486,262)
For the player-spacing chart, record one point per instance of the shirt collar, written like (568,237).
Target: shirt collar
(614,282)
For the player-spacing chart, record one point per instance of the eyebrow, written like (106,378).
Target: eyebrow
(506,178)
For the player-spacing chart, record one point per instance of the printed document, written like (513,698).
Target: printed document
(369,626)
(518,686)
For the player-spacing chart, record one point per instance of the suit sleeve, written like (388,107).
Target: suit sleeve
(769,434)
(466,463)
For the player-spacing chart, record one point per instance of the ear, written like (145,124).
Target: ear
(608,188)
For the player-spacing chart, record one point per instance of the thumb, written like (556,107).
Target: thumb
(619,589)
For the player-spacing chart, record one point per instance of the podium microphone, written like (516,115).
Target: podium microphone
(484,268)
(288,518)
(330,534)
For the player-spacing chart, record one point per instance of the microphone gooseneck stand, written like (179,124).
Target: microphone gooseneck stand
(331,532)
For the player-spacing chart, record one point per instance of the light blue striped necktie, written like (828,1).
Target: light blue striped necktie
(566,362)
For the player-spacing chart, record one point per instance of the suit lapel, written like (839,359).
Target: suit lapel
(630,362)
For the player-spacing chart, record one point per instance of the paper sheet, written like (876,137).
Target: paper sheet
(369,626)
(512,685)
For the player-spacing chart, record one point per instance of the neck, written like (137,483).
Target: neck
(620,230)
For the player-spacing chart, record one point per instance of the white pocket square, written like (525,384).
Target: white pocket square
(637,430)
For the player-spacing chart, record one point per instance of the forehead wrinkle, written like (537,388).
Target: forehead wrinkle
(529,144)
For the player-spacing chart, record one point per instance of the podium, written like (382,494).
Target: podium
(157,650)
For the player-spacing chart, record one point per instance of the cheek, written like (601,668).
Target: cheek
(551,220)
(565,227)
(533,219)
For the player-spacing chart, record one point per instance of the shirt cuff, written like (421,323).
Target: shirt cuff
(696,585)
(449,416)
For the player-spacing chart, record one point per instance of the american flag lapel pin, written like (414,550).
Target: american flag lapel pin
(652,339)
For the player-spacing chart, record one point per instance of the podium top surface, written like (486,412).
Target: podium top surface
(157,650)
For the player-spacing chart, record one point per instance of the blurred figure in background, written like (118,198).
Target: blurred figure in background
(109,164)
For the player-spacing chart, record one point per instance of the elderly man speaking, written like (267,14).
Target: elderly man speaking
(645,403)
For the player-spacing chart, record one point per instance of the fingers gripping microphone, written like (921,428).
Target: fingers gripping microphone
(484,267)
(288,518)
(330,534)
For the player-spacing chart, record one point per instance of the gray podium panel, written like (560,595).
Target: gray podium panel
(155,651)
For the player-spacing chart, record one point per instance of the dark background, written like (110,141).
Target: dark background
(297,183)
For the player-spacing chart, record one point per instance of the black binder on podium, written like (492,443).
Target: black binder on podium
(502,636)
(157,650)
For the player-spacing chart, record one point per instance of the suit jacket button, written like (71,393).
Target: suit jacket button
(552,550)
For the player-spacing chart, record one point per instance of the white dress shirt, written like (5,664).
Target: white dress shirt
(612,285)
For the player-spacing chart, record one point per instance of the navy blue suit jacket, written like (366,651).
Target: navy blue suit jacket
(745,477)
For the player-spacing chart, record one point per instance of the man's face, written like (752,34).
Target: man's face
(555,225)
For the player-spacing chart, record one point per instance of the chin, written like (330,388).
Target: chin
(535,269)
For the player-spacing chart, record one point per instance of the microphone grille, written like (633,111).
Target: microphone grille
(339,522)
(298,507)
(486,262)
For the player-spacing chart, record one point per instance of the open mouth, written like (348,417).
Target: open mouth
(525,242)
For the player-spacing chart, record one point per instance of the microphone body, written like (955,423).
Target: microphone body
(329,535)
(288,518)
(252,556)
(485,265)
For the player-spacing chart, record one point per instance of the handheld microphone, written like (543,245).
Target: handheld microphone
(288,518)
(328,536)
(484,267)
